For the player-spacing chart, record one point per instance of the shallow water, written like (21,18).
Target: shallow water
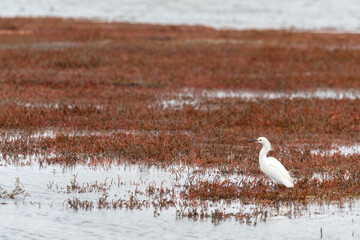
(318,94)
(42,212)
(64,224)
(341,149)
(192,97)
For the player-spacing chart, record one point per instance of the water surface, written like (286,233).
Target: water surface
(43,213)
(321,15)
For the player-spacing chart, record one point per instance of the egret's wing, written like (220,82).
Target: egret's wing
(279,173)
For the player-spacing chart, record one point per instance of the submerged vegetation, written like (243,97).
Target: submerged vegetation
(92,93)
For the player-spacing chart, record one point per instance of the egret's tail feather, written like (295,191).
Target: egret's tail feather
(288,183)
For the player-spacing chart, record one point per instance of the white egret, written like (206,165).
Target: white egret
(271,166)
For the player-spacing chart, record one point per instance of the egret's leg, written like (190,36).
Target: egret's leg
(276,186)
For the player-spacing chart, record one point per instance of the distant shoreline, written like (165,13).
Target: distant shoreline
(324,30)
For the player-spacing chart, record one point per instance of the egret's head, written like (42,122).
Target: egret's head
(263,141)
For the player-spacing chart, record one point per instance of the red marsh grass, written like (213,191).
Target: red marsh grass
(110,78)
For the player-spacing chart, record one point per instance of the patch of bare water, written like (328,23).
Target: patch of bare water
(251,95)
(192,97)
(341,149)
(52,133)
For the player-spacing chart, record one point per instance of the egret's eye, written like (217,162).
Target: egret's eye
(259,140)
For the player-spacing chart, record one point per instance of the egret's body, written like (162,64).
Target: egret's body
(271,166)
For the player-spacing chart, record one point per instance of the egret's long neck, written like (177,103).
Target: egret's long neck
(263,153)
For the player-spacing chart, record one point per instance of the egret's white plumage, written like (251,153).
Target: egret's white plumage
(271,166)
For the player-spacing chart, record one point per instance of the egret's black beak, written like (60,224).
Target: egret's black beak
(253,141)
